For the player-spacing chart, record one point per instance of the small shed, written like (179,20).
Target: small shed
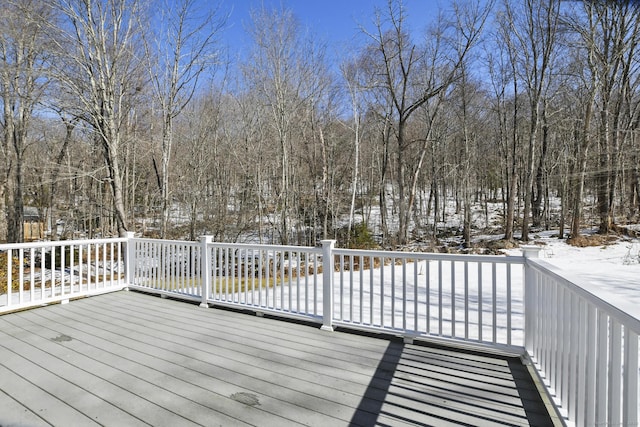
(33,224)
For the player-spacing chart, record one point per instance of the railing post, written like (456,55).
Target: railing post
(530,295)
(130,259)
(327,284)
(205,269)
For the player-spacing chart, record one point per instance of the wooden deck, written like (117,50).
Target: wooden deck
(128,358)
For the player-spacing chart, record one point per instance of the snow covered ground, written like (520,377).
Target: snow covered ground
(610,271)
(432,298)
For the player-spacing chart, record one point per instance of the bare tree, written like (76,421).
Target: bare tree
(100,67)
(605,45)
(531,31)
(198,165)
(377,133)
(613,35)
(351,75)
(182,51)
(466,136)
(69,125)
(284,69)
(505,110)
(409,89)
(24,54)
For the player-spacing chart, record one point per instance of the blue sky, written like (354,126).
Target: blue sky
(334,21)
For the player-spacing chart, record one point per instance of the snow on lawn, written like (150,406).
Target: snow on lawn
(451,299)
(462,298)
(448,299)
(612,271)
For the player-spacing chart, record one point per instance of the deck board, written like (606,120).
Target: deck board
(128,358)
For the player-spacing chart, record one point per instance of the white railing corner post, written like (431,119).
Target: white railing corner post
(531,251)
(205,269)
(530,294)
(130,259)
(327,284)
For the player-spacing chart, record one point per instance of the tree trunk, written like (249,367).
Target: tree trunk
(529,171)
(382,190)
(602,176)
(538,195)
(167,137)
(582,146)
(634,189)
(16,219)
(110,145)
(403,203)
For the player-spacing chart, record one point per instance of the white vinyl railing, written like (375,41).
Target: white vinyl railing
(167,267)
(39,273)
(584,349)
(267,278)
(274,278)
(477,299)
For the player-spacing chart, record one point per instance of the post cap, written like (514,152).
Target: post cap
(530,251)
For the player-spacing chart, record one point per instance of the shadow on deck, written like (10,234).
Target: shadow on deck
(128,358)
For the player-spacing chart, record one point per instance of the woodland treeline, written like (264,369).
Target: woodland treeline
(132,115)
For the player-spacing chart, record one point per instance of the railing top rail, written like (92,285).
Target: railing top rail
(166,242)
(624,311)
(50,243)
(500,259)
(265,247)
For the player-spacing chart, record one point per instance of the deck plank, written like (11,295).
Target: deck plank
(160,365)
(30,405)
(195,358)
(128,358)
(85,384)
